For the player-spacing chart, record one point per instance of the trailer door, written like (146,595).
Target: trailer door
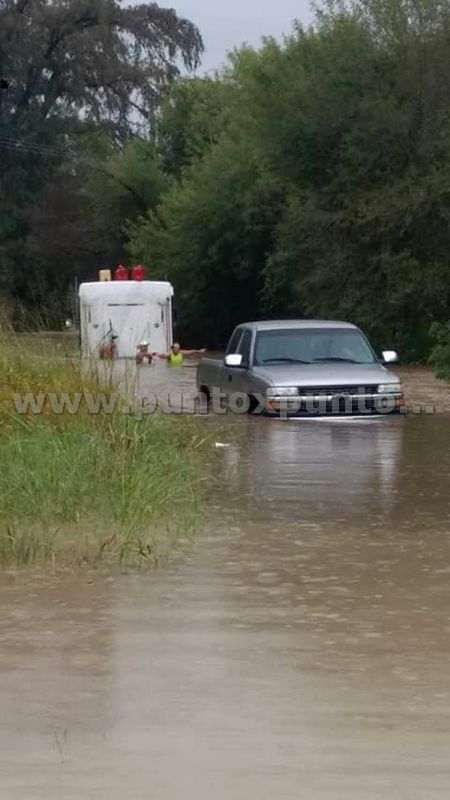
(138,322)
(92,329)
(128,321)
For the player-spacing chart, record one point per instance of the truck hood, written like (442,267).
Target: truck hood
(327,374)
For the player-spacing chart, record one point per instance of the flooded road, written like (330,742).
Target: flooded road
(299,649)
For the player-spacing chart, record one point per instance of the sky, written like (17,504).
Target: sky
(225,24)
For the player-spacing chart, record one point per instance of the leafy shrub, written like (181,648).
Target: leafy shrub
(440,355)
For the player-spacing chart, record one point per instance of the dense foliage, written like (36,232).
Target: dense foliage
(440,354)
(311,177)
(77,79)
(324,186)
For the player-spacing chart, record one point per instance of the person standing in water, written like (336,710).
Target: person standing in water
(175,357)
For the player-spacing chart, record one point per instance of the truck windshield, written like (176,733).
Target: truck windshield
(312,346)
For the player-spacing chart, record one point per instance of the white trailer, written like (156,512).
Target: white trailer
(134,311)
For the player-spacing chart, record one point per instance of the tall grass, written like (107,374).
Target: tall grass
(89,487)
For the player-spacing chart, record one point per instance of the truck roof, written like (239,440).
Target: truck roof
(289,324)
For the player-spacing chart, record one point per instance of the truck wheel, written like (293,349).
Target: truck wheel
(253,404)
(204,394)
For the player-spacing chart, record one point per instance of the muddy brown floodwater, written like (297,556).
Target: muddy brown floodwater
(299,649)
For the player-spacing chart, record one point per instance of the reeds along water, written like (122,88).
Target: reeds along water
(77,487)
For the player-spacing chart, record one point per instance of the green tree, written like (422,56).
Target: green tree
(65,68)
(91,56)
(209,236)
(78,223)
(193,114)
(326,191)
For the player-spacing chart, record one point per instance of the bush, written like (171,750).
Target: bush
(440,355)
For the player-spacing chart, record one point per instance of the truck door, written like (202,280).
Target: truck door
(238,376)
(225,377)
(239,380)
(233,378)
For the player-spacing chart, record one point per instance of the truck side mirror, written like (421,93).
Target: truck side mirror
(389,356)
(233,360)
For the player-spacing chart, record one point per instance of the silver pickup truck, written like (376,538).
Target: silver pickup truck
(298,367)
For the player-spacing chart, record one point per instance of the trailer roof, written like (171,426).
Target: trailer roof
(124,290)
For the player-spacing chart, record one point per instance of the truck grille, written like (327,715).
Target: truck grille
(308,391)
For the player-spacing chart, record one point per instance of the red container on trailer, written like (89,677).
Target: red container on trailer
(121,273)
(138,272)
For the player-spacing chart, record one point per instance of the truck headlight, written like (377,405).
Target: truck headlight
(282,391)
(390,388)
